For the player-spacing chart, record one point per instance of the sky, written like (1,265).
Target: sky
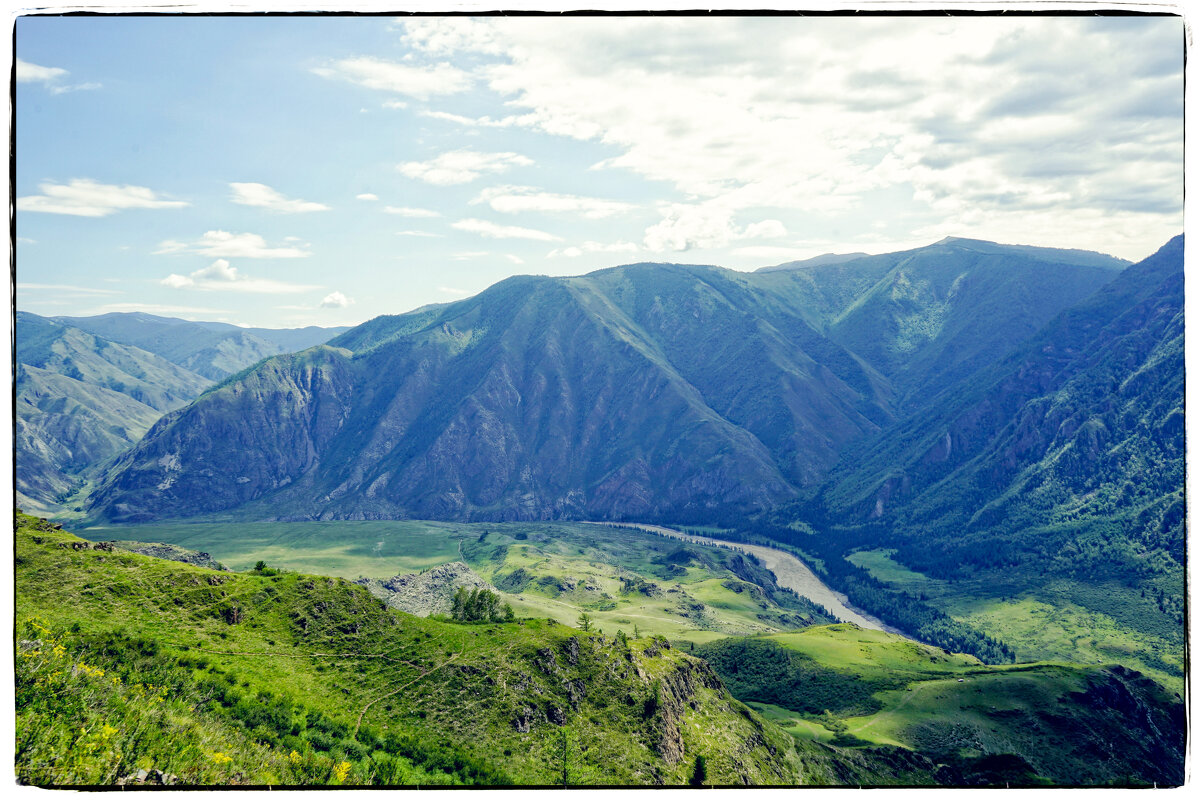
(290,171)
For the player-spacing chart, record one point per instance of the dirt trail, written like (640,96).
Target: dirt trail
(790,572)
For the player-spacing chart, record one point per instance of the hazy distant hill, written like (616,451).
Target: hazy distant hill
(82,397)
(644,391)
(67,350)
(212,349)
(815,261)
(80,400)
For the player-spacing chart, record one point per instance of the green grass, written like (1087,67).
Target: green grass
(315,665)
(1043,625)
(1043,722)
(342,549)
(573,568)
(880,564)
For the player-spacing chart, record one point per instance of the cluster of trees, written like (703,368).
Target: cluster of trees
(479,605)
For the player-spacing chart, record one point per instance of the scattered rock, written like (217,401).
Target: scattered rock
(428,592)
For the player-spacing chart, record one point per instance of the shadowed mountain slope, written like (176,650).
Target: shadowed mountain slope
(1065,462)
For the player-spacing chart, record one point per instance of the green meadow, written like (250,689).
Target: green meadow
(1061,621)
(863,689)
(625,580)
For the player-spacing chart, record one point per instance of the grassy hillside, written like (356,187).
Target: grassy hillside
(128,663)
(1049,622)
(621,578)
(1024,724)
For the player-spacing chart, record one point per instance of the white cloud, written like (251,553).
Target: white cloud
(593,247)
(515,199)
(426,234)
(263,196)
(220,276)
(420,82)
(523,120)
(77,87)
(336,300)
(1061,121)
(33,73)
(493,231)
(83,197)
(782,253)
(706,225)
(222,244)
(515,259)
(416,213)
(461,166)
(366,196)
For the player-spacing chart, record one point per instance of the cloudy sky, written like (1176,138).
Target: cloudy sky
(292,171)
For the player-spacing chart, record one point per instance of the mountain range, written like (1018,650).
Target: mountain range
(643,391)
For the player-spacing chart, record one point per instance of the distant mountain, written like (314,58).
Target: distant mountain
(80,400)
(930,317)
(212,349)
(644,391)
(1065,458)
(815,261)
(66,350)
(64,427)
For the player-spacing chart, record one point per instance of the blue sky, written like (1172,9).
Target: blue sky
(291,171)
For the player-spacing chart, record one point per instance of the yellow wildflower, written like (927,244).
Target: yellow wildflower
(294,757)
(106,731)
(341,771)
(220,758)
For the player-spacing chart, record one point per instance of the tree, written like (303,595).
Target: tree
(699,772)
(563,754)
(479,605)
(585,621)
(260,566)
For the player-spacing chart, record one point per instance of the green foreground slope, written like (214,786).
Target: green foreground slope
(128,663)
(1045,723)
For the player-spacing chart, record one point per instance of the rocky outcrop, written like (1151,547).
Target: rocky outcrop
(428,592)
(167,551)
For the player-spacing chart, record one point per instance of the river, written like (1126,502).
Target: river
(790,572)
